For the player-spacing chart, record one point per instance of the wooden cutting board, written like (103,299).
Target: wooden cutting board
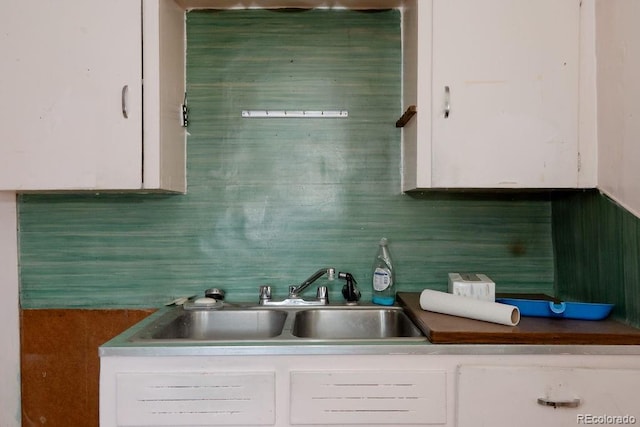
(446,329)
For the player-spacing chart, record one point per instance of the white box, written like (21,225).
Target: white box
(477,286)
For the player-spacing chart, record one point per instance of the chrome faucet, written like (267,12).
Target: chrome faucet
(294,298)
(295,291)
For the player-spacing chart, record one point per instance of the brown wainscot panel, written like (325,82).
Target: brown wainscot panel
(60,364)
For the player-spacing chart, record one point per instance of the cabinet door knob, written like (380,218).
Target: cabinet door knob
(447,101)
(573,403)
(125,95)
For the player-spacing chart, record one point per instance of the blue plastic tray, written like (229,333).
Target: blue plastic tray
(565,310)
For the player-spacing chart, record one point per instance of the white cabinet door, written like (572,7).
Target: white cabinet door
(354,397)
(196,398)
(164,137)
(69,69)
(501,97)
(499,396)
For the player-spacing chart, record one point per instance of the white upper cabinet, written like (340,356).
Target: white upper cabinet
(618,52)
(496,85)
(72,96)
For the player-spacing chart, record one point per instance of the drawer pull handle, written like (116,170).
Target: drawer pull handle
(124,99)
(447,102)
(573,403)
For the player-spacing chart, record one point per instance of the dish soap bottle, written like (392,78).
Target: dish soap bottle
(383,276)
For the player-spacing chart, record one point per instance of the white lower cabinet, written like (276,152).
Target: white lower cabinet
(267,390)
(463,390)
(546,396)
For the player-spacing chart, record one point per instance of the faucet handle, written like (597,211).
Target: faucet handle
(293,291)
(265,293)
(322,294)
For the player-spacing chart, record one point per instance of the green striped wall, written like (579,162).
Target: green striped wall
(272,200)
(597,249)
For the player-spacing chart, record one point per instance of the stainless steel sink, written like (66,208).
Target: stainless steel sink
(215,325)
(350,323)
(264,325)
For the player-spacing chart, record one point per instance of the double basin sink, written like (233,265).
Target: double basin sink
(293,325)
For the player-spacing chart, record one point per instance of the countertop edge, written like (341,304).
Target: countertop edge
(422,349)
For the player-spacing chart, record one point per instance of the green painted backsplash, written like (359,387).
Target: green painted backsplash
(597,251)
(272,200)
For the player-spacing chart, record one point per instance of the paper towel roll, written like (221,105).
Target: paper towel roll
(442,302)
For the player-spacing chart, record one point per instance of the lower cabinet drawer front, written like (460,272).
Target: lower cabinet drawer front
(196,398)
(535,396)
(368,397)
